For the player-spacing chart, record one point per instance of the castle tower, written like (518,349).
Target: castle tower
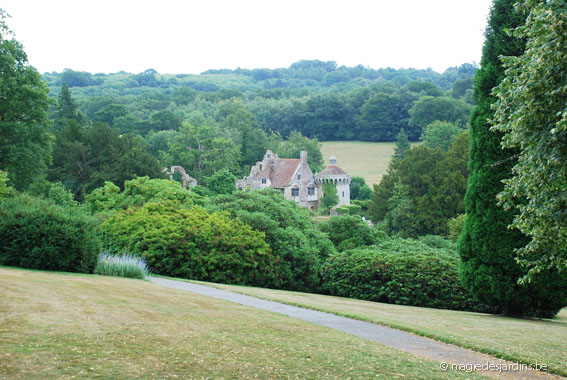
(337,176)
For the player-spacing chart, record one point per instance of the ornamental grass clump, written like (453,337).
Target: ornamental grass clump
(122,266)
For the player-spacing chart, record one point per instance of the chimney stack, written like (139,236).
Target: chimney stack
(303,157)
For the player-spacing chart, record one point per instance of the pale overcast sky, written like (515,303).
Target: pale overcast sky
(192,36)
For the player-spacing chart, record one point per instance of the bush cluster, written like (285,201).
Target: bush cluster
(38,234)
(300,248)
(399,271)
(191,243)
(349,231)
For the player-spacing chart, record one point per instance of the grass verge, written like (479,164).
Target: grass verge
(525,340)
(57,325)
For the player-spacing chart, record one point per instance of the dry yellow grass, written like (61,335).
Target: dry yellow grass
(526,340)
(368,160)
(56,325)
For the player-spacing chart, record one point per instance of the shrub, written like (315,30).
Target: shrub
(5,190)
(39,234)
(299,246)
(137,192)
(456,226)
(347,232)
(399,271)
(191,243)
(122,266)
(436,241)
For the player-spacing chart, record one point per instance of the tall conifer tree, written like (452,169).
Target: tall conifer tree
(486,245)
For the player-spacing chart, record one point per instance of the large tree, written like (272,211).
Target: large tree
(486,245)
(532,112)
(25,142)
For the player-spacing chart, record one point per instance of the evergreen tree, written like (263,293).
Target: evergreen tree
(402,144)
(66,108)
(486,245)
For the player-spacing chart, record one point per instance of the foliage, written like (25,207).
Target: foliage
(455,226)
(121,266)
(221,182)
(402,144)
(446,188)
(292,147)
(429,109)
(487,245)
(440,134)
(347,232)
(25,142)
(84,158)
(330,197)
(294,240)
(327,105)
(349,209)
(359,189)
(191,243)
(138,192)
(400,271)
(400,219)
(531,111)
(421,191)
(436,241)
(202,151)
(66,109)
(5,189)
(38,234)
(58,194)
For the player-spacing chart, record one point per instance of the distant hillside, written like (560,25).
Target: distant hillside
(306,74)
(315,98)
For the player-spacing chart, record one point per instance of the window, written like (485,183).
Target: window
(263,181)
(343,194)
(298,177)
(295,192)
(310,191)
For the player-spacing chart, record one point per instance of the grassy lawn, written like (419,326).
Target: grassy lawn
(528,341)
(58,325)
(368,160)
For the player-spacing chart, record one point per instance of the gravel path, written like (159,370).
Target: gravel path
(444,353)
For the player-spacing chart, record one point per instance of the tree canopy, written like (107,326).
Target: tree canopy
(25,141)
(531,111)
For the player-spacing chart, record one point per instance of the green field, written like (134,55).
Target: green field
(59,325)
(525,340)
(368,160)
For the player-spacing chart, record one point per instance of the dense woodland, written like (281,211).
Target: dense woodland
(478,206)
(315,98)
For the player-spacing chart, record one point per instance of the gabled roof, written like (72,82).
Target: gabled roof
(281,171)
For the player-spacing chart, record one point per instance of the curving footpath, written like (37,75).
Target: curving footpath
(427,348)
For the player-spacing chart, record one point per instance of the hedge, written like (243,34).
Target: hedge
(38,234)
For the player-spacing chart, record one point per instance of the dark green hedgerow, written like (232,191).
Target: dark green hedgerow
(37,234)
(399,271)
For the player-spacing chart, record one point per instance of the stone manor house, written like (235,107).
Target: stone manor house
(296,180)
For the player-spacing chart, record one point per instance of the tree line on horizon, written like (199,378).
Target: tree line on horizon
(369,105)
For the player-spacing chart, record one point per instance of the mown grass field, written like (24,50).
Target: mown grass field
(368,160)
(525,340)
(58,325)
